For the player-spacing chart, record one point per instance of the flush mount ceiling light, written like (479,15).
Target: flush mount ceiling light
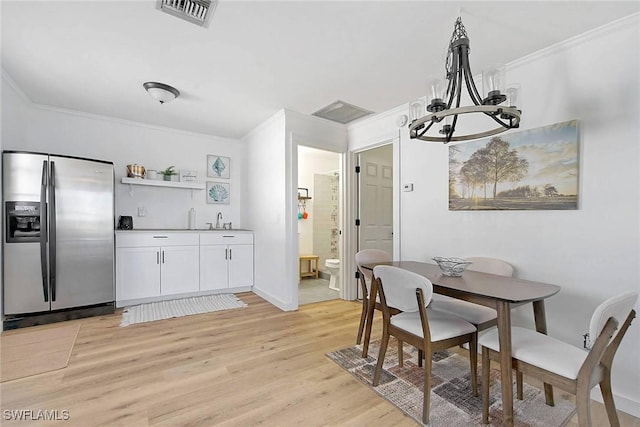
(445,97)
(161,92)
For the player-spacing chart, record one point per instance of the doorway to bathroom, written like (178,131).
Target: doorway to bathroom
(319,243)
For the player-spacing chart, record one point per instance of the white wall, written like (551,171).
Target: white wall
(593,252)
(35,128)
(271,205)
(264,209)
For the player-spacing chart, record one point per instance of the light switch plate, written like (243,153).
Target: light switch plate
(142,211)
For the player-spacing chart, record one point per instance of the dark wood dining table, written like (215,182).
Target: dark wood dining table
(499,292)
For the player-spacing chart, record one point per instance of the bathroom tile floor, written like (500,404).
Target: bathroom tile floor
(315,290)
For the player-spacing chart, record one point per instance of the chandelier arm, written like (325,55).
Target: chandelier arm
(452,129)
(507,125)
(453,81)
(425,129)
(471,86)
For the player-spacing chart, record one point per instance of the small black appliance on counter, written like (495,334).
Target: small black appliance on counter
(125,223)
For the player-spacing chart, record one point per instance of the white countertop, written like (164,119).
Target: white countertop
(183,230)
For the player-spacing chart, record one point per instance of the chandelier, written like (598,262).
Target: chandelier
(445,95)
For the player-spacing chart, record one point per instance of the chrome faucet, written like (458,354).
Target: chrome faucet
(218,218)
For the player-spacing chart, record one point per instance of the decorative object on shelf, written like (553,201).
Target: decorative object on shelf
(445,95)
(168,173)
(135,171)
(218,166)
(303,196)
(151,174)
(536,169)
(188,175)
(452,266)
(161,92)
(192,219)
(218,193)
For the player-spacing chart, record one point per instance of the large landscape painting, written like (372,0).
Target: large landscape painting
(533,169)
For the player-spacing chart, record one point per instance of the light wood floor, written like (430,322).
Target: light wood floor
(253,366)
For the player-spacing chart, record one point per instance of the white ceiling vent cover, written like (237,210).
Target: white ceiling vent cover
(341,112)
(198,12)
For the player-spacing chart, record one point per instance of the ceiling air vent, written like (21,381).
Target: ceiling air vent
(195,11)
(341,112)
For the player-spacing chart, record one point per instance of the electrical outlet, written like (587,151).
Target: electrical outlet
(142,211)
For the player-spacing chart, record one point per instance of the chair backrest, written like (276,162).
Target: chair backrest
(370,256)
(399,287)
(618,307)
(490,265)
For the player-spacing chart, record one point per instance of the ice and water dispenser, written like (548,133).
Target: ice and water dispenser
(22,222)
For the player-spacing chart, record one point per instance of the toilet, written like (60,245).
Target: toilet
(333,265)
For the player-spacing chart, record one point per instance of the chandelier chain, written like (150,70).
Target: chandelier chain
(459,32)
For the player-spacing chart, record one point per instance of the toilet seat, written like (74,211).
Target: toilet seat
(332,263)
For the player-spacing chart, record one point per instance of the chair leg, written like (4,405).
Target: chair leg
(609,404)
(400,354)
(583,406)
(427,389)
(363,318)
(485,385)
(519,390)
(383,351)
(473,360)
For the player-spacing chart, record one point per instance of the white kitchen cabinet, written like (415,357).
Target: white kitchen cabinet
(226,260)
(179,270)
(150,265)
(137,273)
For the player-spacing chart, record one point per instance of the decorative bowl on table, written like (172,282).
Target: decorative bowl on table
(452,266)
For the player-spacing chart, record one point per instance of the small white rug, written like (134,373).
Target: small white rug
(179,307)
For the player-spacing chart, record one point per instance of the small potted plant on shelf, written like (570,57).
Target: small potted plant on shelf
(168,173)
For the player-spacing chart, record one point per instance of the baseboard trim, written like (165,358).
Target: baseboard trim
(275,301)
(624,404)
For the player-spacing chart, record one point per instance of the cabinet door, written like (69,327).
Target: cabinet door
(179,267)
(240,265)
(137,273)
(213,267)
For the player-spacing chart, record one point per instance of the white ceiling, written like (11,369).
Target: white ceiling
(261,56)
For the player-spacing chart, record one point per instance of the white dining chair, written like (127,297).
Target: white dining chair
(480,316)
(364,257)
(429,331)
(566,366)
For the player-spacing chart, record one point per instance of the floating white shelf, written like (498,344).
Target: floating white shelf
(171,184)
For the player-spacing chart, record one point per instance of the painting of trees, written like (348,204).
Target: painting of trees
(534,169)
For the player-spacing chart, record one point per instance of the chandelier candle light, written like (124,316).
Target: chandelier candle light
(445,95)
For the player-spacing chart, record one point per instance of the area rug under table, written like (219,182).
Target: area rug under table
(179,307)
(452,403)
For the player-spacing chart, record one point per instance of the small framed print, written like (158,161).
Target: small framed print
(218,166)
(218,193)
(188,175)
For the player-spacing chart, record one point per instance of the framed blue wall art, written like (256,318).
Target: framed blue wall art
(218,166)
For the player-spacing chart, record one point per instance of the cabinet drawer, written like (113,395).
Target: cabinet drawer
(137,239)
(226,238)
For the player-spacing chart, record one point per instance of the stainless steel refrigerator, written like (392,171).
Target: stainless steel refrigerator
(58,233)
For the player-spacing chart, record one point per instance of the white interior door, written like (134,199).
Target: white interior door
(376,199)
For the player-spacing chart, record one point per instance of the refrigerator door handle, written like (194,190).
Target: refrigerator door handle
(52,231)
(43,230)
